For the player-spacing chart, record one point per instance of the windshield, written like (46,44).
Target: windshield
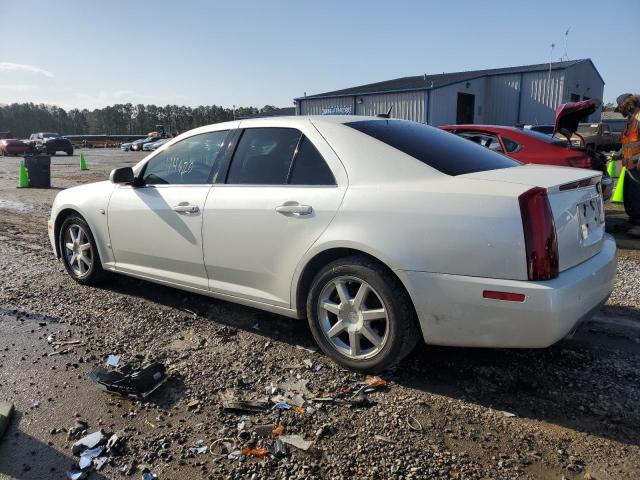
(587,129)
(49,135)
(441,150)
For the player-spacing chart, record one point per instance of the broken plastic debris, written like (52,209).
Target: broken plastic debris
(382,438)
(100,462)
(235,404)
(199,447)
(149,476)
(271,390)
(374,382)
(116,442)
(113,360)
(308,363)
(278,449)
(138,383)
(193,404)
(76,474)
(509,414)
(281,406)
(86,457)
(255,452)
(277,431)
(300,410)
(90,441)
(296,441)
(310,350)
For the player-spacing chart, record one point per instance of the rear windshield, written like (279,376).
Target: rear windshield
(561,141)
(441,150)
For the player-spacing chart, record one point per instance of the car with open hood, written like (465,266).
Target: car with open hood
(530,146)
(379,232)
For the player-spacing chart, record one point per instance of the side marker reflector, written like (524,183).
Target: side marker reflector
(505,296)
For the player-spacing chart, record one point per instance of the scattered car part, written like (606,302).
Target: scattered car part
(88,442)
(137,383)
(296,441)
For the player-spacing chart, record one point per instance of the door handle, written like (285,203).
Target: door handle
(295,209)
(185,208)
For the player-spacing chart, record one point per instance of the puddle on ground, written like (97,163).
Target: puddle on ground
(16,205)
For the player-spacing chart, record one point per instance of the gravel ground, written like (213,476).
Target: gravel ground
(569,411)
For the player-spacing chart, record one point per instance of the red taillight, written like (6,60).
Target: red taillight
(540,240)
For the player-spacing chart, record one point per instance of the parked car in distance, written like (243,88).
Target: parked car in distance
(151,146)
(138,144)
(125,147)
(531,146)
(49,143)
(597,136)
(13,146)
(341,220)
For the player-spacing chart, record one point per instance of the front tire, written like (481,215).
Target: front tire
(79,251)
(360,315)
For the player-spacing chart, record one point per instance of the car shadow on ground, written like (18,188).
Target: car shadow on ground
(23,457)
(586,383)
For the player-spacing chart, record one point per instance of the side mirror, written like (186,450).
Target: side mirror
(122,175)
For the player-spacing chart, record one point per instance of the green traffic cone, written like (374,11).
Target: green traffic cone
(23,176)
(618,195)
(612,171)
(83,163)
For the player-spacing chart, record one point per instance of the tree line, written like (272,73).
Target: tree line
(22,119)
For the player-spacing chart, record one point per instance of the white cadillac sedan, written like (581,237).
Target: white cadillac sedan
(377,231)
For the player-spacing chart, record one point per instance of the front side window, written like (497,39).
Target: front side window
(186,162)
(264,156)
(446,153)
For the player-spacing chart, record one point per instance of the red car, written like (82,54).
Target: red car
(13,146)
(528,146)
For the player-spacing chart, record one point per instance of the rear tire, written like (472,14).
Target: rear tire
(361,316)
(69,152)
(79,251)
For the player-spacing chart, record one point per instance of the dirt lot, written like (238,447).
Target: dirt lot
(571,411)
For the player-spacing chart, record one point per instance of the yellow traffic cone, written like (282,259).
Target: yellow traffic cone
(618,195)
(612,171)
(83,163)
(23,176)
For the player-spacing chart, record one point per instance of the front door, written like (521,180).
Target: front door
(280,195)
(466,106)
(156,228)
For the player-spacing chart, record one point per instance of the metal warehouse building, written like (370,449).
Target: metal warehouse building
(501,96)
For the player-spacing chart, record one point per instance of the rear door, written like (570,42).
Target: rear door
(283,187)
(156,228)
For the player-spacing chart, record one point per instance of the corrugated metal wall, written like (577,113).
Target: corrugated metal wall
(326,106)
(541,95)
(443,102)
(583,80)
(406,105)
(502,96)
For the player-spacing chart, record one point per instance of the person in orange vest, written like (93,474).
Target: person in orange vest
(629,106)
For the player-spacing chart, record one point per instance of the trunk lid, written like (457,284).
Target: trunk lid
(569,115)
(575,196)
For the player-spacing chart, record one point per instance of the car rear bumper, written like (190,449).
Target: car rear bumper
(52,239)
(452,311)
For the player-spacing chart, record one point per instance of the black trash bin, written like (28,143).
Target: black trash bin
(39,169)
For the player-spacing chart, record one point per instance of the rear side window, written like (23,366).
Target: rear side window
(309,168)
(263,156)
(441,150)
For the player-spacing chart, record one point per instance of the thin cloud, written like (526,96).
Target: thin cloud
(21,67)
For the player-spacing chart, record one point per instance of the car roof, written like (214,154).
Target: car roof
(480,128)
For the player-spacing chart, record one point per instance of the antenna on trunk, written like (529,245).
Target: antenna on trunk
(385,115)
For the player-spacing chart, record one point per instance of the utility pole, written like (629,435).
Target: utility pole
(566,37)
(553,45)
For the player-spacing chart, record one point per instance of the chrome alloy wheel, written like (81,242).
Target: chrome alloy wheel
(352,317)
(77,250)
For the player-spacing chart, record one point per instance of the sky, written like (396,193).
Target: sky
(88,54)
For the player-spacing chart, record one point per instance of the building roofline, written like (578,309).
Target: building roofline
(425,88)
